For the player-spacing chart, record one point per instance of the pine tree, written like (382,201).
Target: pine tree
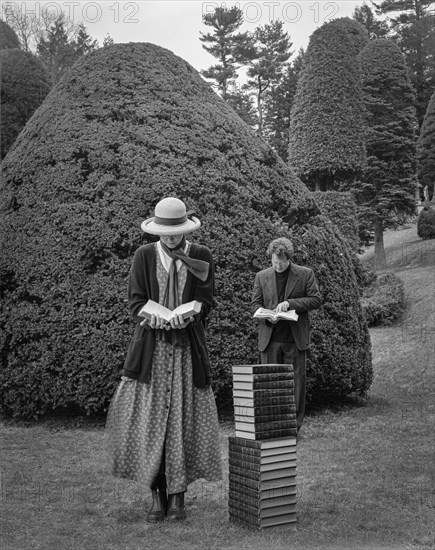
(327,134)
(272,51)
(232,49)
(56,50)
(83,42)
(413,27)
(278,103)
(388,188)
(376,28)
(426,150)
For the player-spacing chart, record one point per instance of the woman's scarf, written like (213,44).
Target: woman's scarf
(199,268)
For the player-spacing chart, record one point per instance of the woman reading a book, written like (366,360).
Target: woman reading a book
(162,428)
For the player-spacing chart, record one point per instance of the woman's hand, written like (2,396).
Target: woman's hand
(178,322)
(283,306)
(156,322)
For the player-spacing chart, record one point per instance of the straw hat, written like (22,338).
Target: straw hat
(170,218)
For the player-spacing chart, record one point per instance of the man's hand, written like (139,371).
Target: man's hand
(283,306)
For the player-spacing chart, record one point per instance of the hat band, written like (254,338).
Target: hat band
(170,221)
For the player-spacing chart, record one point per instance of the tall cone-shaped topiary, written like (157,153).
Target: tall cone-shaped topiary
(128,125)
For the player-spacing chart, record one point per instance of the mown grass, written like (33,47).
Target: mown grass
(365,471)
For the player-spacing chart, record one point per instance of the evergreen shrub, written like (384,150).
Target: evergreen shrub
(128,125)
(426,223)
(8,37)
(384,301)
(25,82)
(340,208)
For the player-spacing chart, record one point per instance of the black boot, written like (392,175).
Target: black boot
(176,509)
(158,508)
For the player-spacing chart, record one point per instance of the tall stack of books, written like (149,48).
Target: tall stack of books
(262,454)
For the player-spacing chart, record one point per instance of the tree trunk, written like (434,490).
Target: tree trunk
(260,109)
(380,261)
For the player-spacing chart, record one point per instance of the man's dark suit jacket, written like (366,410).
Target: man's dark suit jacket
(301,292)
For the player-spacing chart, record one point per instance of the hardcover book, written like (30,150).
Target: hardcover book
(272,315)
(263,369)
(287,521)
(262,485)
(264,385)
(260,459)
(263,377)
(273,474)
(153,308)
(263,495)
(262,513)
(259,411)
(262,445)
(263,400)
(256,466)
(268,434)
(261,503)
(265,426)
(262,418)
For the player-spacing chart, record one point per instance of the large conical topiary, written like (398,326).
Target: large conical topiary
(129,124)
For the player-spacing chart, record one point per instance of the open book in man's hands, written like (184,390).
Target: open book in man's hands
(272,315)
(186,310)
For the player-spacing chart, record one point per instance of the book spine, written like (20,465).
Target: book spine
(254,511)
(245,481)
(263,418)
(262,499)
(262,476)
(265,411)
(233,440)
(262,369)
(262,385)
(240,517)
(239,453)
(263,400)
(256,466)
(259,427)
(271,377)
(268,434)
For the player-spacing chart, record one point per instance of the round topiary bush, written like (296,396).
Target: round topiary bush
(129,124)
(25,82)
(426,223)
(8,37)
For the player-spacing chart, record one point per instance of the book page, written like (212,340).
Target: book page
(153,308)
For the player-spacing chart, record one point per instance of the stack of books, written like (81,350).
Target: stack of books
(262,454)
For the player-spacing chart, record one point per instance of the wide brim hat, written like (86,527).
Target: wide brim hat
(170,218)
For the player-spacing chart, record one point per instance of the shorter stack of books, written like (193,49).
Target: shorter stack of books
(264,403)
(262,482)
(262,454)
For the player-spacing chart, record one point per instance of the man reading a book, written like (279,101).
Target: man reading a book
(286,286)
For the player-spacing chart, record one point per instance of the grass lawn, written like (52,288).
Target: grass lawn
(365,473)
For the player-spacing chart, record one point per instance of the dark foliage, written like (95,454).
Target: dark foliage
(384,301)
(129,124)
(341,209)
(8,37)
(426,223)
(25,83)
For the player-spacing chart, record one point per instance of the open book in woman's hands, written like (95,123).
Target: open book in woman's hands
(153,308)
(272,315)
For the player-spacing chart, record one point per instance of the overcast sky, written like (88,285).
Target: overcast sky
(176,24)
